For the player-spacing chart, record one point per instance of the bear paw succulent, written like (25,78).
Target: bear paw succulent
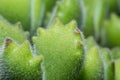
(17,62)
(63,50)
(12,31)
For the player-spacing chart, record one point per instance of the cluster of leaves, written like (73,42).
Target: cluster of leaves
(61,51)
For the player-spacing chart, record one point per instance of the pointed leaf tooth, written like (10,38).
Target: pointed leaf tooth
(56,23)
(8,42)
(78,44)
(77,31)
(24,49)
(40,31)
(72,25)
(10,45)
(19,25)
(26,44)
(36,61)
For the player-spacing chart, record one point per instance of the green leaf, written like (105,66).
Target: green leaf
(62,48)
(17,62)
(12,31)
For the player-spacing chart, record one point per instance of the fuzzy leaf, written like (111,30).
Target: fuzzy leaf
(25,11)
(62,49)
(112,31)
(108,65)
(93,66)
(11,31)
(17,62)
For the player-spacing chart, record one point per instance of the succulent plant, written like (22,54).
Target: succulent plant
(63,50)
(17,62)
(111,31)
(12,31)
(108,64)
(67,10)
(59,52)
(26,11)
(93,65)
(98,62)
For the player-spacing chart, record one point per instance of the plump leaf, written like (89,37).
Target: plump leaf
(62,48)
(17,62)
(12,31)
